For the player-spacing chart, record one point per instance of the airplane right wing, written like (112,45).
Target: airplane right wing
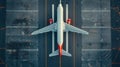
(45,29)
(74,29)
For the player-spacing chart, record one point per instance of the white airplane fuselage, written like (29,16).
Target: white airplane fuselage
(60,27)
(60,24)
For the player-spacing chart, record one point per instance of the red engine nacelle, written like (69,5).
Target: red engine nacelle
(51,21)
(69,21)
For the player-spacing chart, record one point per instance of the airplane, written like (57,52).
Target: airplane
(60,27)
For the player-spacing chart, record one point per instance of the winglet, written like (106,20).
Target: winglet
(87,33)
(33,33)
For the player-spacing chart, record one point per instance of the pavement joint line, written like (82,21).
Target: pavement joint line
(74,34)
(46,3)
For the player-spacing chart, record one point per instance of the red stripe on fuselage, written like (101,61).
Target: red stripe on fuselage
(60,49)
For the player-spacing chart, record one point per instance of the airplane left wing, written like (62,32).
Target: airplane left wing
(45,29)
(74,29)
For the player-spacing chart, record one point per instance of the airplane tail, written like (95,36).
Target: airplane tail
(55,53)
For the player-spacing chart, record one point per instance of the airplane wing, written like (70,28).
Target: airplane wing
(45,29)
(74,29)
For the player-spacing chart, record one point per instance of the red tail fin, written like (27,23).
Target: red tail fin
(60,50)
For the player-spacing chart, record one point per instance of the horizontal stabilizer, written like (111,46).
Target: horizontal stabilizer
(55,53)
(66,53)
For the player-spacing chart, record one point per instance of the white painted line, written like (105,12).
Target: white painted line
(96,49)
(21,10)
